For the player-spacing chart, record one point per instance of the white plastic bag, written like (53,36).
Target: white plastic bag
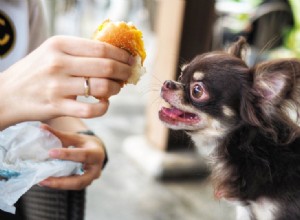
(24,161)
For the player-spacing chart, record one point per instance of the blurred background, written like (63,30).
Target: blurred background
(155,173)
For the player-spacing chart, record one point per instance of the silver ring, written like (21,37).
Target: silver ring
(86,87)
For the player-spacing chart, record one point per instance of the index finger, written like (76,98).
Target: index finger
(77,46)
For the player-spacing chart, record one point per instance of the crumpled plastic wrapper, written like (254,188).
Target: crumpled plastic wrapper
(24,161)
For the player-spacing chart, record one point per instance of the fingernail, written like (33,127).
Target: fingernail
(131,60)
(54,153)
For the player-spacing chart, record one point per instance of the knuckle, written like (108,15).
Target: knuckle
(55,63)
(104,87)
(53,183)
(86,111)
(100,49)
(64,154)
(55,87)
(50,98)
(83,156)
(109,67)
(80,184)
(54,42)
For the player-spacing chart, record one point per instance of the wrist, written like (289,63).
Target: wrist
(9,112)
(3,106)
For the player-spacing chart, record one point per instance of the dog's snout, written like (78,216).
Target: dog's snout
(170,85)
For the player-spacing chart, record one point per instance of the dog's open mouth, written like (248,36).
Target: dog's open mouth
(175,116)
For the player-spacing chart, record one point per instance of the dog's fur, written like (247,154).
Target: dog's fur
(246,119)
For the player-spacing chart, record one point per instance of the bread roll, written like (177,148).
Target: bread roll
(128,37)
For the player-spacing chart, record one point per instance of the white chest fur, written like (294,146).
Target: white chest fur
(263,209)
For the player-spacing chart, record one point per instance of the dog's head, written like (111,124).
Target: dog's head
(217,92)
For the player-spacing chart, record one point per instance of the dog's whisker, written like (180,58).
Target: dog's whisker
(157,101)
(152,89)
(155,77)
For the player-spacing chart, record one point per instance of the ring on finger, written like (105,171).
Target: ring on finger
(87,89)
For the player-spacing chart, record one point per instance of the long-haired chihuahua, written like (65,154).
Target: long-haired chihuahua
(246,120)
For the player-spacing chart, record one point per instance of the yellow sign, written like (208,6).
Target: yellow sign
(7,35)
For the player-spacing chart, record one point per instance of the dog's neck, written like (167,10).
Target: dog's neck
(205,145)
(207,140)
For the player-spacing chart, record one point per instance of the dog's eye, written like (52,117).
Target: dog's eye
(198,92)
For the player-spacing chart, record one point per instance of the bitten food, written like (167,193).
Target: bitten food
(128,37)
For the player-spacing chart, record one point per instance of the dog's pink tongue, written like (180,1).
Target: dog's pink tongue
(176,111)
(173,115)
(173,112)
(178,114)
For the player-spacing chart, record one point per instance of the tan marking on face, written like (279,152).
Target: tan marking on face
(227,111)
(183,66)
(210,55)
(198,76)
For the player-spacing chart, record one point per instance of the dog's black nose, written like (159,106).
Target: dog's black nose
(169,84)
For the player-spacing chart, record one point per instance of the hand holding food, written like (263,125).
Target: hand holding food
(56,73)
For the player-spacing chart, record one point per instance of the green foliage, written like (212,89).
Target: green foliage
(292,40)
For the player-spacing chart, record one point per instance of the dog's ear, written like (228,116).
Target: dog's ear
(238,48)
(276,81)
(277,87)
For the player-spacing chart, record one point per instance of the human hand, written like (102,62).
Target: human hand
(88,150)
(45,83)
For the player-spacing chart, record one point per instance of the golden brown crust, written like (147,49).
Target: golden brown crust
(122,35)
